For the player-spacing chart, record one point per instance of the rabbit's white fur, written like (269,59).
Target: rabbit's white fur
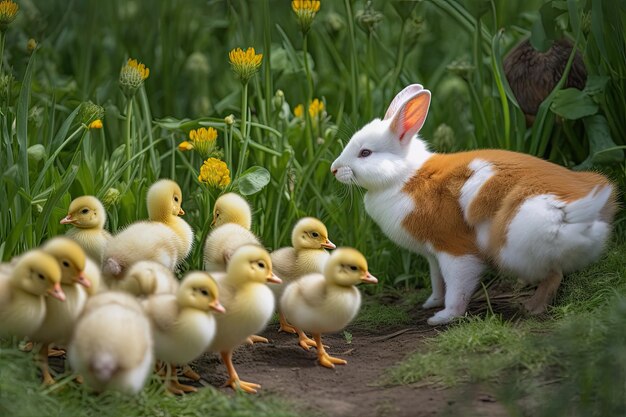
(538,237)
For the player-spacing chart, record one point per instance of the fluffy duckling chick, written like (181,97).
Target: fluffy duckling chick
(141,241)
(181,324)
(249,305)
(307,255)
(147,278)
(327,303)
(88,216)
(93,274)
(112,344)
(165,200)
(61,316)
(232,219)
(22,291)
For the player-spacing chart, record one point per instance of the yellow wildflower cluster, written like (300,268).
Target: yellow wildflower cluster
(316,108)
(245,64)
(8,12)
(305,11)
(215,173)
(132,76)
(202,140)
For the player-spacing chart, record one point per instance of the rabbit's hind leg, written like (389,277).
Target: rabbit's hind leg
(544,294)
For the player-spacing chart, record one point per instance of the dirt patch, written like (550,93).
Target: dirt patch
(287,371)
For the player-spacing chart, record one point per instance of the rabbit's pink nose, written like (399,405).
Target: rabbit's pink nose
(334,171)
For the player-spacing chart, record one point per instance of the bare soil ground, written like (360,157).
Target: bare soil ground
(287,371)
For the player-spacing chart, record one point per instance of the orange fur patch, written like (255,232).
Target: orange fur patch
(436,188)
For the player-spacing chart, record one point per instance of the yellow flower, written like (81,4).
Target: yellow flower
(31,45)
(316,108)
(132,76)
(305,12)
(298,111)
(215,173)
(185,146)
(96,124)
(245,64)
(8,12)
(202,140)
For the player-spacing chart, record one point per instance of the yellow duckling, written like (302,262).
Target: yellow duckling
(232,219)
(308,255)
(165,200)
(22,291)
(112,344)
(249,305)
(327,303)
(93,273)
(88,217)
(61,316)
(181,324)
(147,278)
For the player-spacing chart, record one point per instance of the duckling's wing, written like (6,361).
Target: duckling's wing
(312,289)
(284,263)
(163,310)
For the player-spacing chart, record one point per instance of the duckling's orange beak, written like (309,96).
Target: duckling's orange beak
(67,220)
(83,280)
(329,245)
(369,278)
(216,306)
(274,279)
(57,292)
(181,212)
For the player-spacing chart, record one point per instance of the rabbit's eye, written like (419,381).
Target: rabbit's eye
(364,153)
(85,211)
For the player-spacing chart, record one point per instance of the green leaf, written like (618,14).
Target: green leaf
(544,29)
(573,104)
(596,84)
(253,180)
(600,141)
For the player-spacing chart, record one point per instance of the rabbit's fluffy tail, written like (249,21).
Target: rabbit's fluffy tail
(588,208)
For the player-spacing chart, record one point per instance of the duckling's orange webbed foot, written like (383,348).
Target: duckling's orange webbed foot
(233,381)
(43,364)
(328,361)
(249,387)
(256,339)
(305,342)
(55,353)
(190,373)
(284,325)
(181,388)
(324,358)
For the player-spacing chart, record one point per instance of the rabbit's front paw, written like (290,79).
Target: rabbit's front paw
(442,317)
(432,302)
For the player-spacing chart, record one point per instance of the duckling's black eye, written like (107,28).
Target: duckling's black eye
(354,268)
(364,153)
(204,292)
(315,234)
(261,265)
(176,198)
(41,277)
(66,264)
(84,211)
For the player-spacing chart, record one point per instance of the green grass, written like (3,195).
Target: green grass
(375,316)
(22,395)
(579,348)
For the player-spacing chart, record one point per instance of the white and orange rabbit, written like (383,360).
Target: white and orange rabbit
(528,217)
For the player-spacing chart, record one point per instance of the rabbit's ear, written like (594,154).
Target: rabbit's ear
(410,116)
(401,98)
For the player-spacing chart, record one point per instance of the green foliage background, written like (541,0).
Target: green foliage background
(356,57)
